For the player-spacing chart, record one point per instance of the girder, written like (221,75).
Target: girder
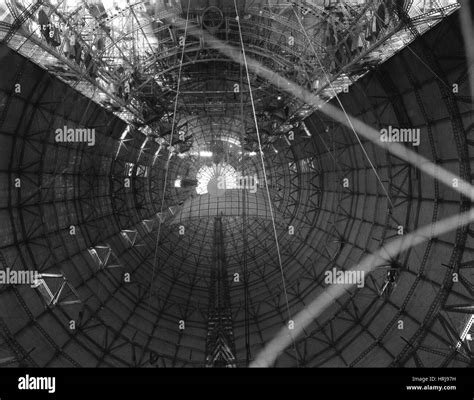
(158,290)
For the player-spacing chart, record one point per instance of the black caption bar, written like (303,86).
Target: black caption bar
(83,383)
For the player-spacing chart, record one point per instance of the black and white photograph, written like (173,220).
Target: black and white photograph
(213,190)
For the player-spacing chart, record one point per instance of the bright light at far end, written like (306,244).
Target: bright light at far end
(205,153)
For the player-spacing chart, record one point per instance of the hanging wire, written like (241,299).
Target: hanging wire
(265,177)
(173,126)
(343,108)
(248,354)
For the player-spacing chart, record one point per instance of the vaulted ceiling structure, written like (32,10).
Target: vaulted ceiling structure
(211,202)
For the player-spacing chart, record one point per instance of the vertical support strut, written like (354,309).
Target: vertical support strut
(220,346)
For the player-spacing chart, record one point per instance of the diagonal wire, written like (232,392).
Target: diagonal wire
(173,125)
(265,177)
(244,224)
(343,108)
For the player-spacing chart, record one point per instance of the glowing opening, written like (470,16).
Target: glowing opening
(216,179)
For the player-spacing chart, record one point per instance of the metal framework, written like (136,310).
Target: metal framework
(187,309)
(220,348)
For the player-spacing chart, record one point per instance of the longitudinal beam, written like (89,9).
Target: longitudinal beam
(220,347)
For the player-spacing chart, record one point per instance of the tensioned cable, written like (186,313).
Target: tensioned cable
(265,177)
(244,223)
(173,125)
(343,108)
